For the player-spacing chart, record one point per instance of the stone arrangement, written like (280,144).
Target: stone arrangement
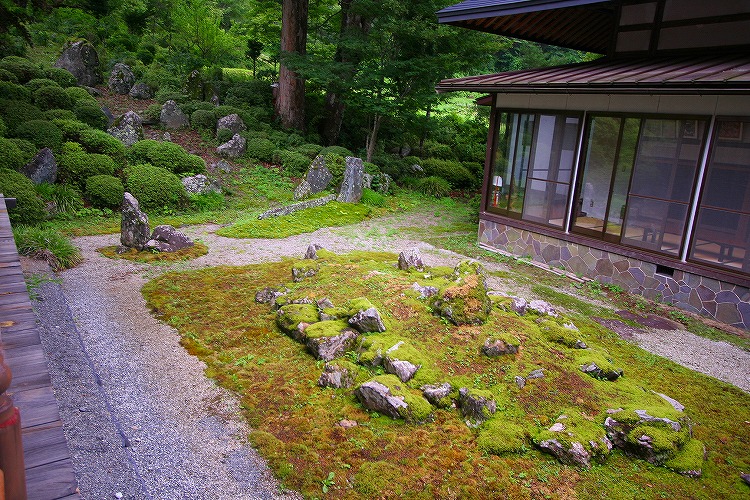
(135,232)
(81,59)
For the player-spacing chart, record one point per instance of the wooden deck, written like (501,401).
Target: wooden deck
(49,470)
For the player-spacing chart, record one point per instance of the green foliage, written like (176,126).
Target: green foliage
(166,155)
(59,114)
(91,114)
(64,198)
(249,93)
(10,154)
(432,149)
(28,149)
(14,92)
(47,244)
(41,133)
(154,187)
(203,119)
(372,198)
(52,97)
(191,106)
(29,207)
(433,186)
(3,128)
(309,150)
(295,164)
(71,129)
(500,437)
(24,69)
(80,95)
(7,76)
(223,135)
(152,113)
(338,150)
(62,76)
(207,202)
(336,164)
(16,112)
(104,191)
(37,83)
(97,141)
(452,171)
(261,149)
(75,168)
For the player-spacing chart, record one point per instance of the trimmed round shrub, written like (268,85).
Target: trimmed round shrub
(80,95)
(104,191)
(223,135)
(252,93)
(16,112)
(10,155)
(309,150)
(432,149)
(434,186)
(91,114)
(97,141)
(62,76)
(29,207)
(42,133)
(452,171)
(59,114)
(295,164)
(7,76)
(260,149)
(37,83)
(28,149)
(71,129)
(166,155)
(75,168)
(72,147)
(339,150)
(190,107)
(14,92)
(3,128)
(203,119)
(51,98)
(24,69)
(154,187)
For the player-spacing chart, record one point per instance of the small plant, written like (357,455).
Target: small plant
(434,186)
(372,198)
(65,198)
(679,316)
(34,281)
(328,482)
(47,244)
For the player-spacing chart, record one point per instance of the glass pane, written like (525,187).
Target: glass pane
(721,238)
(616,214)
(503,166)
(654,224)
(521,162)
(545,202)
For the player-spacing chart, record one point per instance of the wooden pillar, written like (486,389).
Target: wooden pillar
(11,449)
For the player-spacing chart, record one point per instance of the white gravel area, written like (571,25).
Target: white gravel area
(176,433)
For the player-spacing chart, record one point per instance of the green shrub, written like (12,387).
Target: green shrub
(190,107)
(247,94)
(154,187)
(146,54)
(104,191)
(207,202)
(47,244)
(79,95)
(261,149)
(10,155)
(433,186)
(75,168)
(37,83)
(223,135)
(41,133)
(336,164)
(59,114)
(16,112)
(14,92)
(3,128)
(339,150)
(309,150)
(203,119)
(51,98)
(71,147)
(29,207)
(28,149)
(65,198)
(452,171)
(432,149)
(92,115)
(24,69)
(372,198)
(7,76)
(62,76)
(295,164)
(166,155)
(165,94)
(370,168)
(97,141)
(71,129)
(152,113)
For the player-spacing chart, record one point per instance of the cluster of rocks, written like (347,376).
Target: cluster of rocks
(319,177)
(135,232)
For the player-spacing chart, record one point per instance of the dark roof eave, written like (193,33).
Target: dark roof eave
(599,89)
(453,14)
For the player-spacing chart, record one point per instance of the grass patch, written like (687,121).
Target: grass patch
(303,221)
(47,244)
(297,429)
(193,252)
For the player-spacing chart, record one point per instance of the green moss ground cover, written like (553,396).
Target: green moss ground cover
(296,422)
(193,252)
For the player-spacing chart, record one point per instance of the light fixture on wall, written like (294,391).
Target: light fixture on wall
(497,185)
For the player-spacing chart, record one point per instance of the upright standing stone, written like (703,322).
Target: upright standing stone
(318,175)
(351,187)
(234,147)
(128,128)
(81,59)
(172,116)
(134,230)
(42,168)
(121,79)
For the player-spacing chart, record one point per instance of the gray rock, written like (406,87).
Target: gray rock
(437,393)
(404,370)
(303,190)
(575,455)
(318,176)
(42,168)
(234,147)
(128,128)
(417,169)
(675,404)
(289,209)
(200,184)
(580,452)
(121,79)
(410,258)
(746,478)
(141,91)
(596,372)
(519,305)
(367,321)
(367,180)
(300,272)
(497,347)
(222,166)
(580,344)
(377,397)
(231,122)
(312,252)
(109,115)
(134,229)
(538,373)
(214,100)
(329,347)
(475,407)
(424,291)
(542,308)
(336,377)
(269,294)
(81,59)
(324,303)
(166,238)
(351,186)
(520,381)
(172,117)
(194,85)
(167,137)
(382,183)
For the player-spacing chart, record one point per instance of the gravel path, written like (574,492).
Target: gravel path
(141,418)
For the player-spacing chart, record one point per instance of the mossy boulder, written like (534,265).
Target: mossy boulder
(499,436)
(386,394)
(566,335)
(464,302)
(476,405)
(575,439)
(339,374)
(304,269)
(597,364)
(293,319)
(499,345)
(689,460)
(327,340)
(330,313)
(440,395)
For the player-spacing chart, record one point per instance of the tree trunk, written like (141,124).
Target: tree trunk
(372,138)
(290,102)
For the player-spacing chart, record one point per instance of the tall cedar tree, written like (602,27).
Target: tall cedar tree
(290,97)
